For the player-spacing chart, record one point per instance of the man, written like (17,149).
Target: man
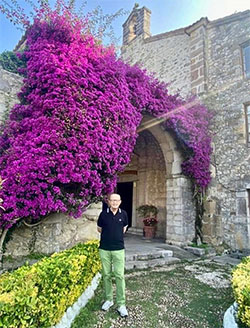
(112,224)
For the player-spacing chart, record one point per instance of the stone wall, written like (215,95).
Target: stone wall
(55,233)
(198,56)
(167,55)
(228,217)
(10,85)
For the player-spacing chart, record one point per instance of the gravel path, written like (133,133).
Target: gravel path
(187,295)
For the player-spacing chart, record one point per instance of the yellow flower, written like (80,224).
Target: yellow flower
(7,298)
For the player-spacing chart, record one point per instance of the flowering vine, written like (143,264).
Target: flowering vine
(75,127)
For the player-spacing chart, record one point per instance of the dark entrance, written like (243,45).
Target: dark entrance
(125,189)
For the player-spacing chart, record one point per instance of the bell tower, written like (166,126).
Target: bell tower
(138,23)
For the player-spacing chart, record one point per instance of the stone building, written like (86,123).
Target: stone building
(210,59)
(207,59)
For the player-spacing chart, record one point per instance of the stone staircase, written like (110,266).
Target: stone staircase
(146,260)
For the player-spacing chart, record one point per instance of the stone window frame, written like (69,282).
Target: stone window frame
(247,121)
(242,202)
(248,199)
(244,45)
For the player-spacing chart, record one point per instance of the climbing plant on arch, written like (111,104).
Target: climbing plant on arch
(75,127)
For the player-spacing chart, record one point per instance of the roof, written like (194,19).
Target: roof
(202,21)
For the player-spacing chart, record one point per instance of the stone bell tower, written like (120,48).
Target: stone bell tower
(138,23)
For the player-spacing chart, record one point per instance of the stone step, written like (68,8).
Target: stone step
(149,256)
(135,231)
(149,259)
(130,265)
(201,251)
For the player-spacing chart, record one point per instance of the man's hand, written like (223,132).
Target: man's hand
(125,229)
(99,229)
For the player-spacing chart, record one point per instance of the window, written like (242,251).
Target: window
(246,59)
(247,114)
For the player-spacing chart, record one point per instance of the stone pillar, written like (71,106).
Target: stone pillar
(180,211)
(138,23)
(198,40)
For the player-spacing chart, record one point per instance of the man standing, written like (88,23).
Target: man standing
(112,224)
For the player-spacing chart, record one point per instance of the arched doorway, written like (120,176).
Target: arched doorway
(155,177)
(144,181)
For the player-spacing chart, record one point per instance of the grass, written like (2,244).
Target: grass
(164,297)
(203,245)
(10,263)
(36,256)
(8,258)
(31,256)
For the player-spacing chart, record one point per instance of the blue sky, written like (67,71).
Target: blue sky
(166,15)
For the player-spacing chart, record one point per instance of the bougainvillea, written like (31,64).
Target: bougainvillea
(75,127)
(190,124)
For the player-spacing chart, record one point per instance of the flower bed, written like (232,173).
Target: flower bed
(241,288)
(38,295)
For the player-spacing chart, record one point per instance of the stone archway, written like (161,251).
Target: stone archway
(155,170)
(148,171)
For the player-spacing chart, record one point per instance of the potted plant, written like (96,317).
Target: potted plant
(148,213)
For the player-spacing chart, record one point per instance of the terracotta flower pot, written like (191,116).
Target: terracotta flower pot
(149,232)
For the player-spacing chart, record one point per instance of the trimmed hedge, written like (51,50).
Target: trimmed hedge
(241,288)
(38,295)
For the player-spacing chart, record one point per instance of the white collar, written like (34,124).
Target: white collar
(118,210)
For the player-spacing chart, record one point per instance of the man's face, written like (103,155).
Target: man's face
(114,201)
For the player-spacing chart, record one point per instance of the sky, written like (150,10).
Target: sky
(166,15)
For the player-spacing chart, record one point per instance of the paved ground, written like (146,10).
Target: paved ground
(138,245)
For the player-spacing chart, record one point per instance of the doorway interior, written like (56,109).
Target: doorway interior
(125,189)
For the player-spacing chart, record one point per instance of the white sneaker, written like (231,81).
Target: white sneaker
(107,305)
(122,311)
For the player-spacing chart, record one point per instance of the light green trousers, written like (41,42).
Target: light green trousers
(117,259)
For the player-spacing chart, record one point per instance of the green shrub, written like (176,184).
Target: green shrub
(241,288)
(38,295)
(10,62)
(203,245)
